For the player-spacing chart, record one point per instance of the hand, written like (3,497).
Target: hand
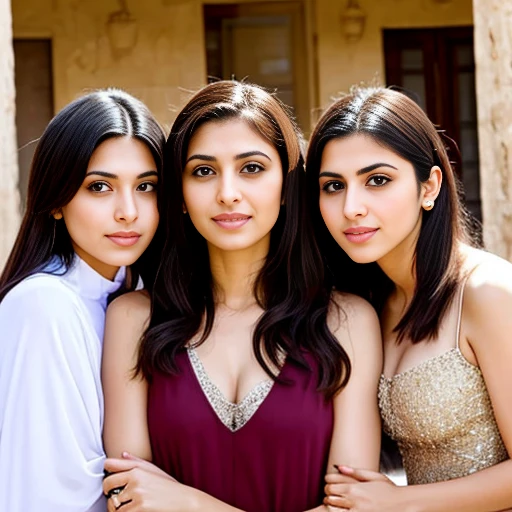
(371,491)
(145,487)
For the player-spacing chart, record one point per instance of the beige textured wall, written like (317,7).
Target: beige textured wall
(169,57)
(493,50)
(9,204)
(167,61)
(342,64)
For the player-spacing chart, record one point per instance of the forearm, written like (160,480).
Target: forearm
(207,503)
(488,490)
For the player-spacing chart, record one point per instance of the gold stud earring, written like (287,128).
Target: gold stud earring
(428,205)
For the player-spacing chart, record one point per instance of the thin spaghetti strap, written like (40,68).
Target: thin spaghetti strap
(459,312)
(461,300)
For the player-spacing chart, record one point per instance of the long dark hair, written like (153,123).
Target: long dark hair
(58,170)
(395,121)
(289,287)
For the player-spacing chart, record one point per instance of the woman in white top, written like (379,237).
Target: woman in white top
(91,211)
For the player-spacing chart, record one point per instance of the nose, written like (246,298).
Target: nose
(126,208)
(354,205)
(229,190)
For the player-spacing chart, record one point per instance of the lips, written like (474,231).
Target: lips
(360,234)
(231,220)
(124,238)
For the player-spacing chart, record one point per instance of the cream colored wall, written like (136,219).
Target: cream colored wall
(167,62)
(342,64)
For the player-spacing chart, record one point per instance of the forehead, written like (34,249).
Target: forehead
(122,155)
(357,151)
(227,134)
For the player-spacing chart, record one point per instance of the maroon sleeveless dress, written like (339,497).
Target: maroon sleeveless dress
(271,456)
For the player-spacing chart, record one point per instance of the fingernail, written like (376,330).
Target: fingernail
(126,454)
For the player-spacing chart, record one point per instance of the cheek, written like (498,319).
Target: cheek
(329,212)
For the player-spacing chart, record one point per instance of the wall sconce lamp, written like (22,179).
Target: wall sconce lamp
(353,21)
(121,30)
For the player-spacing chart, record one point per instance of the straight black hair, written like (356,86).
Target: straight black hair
(289,287)
(58,170)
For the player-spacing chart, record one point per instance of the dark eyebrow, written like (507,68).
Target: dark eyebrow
(251,153)
(208,158)
(372,167)
(364,170)
(104,174)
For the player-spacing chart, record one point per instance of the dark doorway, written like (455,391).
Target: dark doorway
(437,68)
(263,43)
(34,99)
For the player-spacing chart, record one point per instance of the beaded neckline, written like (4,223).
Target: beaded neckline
(233,415)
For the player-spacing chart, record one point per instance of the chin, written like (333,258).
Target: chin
(362,256)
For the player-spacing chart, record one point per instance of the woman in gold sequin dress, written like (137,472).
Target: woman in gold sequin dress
(384,200)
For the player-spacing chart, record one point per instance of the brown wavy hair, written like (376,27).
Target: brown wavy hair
(289,287)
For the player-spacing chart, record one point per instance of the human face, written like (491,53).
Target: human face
(232,185)
(113,216)
(369,199)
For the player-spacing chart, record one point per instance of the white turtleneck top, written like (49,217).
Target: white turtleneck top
(51,400)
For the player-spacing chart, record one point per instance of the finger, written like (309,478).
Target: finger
(363,475)
(115,481)
(338,502)
(146,465)
(336,489)
(117,465)
(116,502)
(338,478)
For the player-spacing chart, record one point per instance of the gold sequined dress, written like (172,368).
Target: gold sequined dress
(441,416)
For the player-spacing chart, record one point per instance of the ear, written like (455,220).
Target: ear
(430,188)
(57,214)
(184,208)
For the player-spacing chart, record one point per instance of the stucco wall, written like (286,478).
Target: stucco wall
(166,62)
(342,64)
(169,59)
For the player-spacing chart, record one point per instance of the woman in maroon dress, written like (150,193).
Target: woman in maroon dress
(251,379)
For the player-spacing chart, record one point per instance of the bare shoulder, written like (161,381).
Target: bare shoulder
(134,307)
(487,300)
(490,281)
(127,318)
(354,322)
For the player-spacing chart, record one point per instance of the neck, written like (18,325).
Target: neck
(398,265)
(234,274)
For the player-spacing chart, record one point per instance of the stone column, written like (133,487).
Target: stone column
(493,56)
(9,193)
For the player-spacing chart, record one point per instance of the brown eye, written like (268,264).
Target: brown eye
(333,186)
(146,187)
(202,172)
(252,169)
(98,186)
(378,181)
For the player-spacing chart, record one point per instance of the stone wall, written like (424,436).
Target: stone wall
(9,202)
(493,55)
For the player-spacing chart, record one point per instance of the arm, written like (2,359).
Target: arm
(51,455)
(126,430)
(357,432)
(125,427)
(487,324)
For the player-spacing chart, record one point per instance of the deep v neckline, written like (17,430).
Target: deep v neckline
(233,416)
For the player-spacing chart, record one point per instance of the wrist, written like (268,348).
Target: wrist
(407,500)
(197,500)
